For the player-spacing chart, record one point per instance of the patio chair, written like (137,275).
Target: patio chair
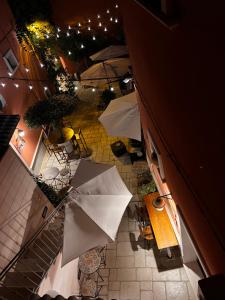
(144,225)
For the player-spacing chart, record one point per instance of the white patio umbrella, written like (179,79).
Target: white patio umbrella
(105,72)
(95,210)
(122,117)
(110,52)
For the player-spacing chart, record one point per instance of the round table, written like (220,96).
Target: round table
(51,173)
(89,262)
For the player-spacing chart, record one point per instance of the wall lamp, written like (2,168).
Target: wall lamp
(20,142)
(159,203)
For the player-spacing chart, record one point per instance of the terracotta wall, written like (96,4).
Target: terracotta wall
(180,78)
(17,100)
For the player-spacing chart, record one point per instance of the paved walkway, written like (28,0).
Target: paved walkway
(132,272)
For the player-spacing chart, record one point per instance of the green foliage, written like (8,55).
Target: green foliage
(146,184)
(49,111)
(49,192)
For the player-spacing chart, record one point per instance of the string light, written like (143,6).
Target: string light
(93,90)
(69,52)
(81,46)
(112,89)
(78,31)
(55,59)
(111,19)
(107,11)
(89,20)
(47,36)
(45,88)
(41,65)
(100,24)
(57,35)
(76,88)
(69,27)
(58,29)
(10,74)
(30,87)
(93,38)
(3,84)
(98,16)
(116,6)
(116,20)
(27,70)
(68,34)
(89,28)
(79,24)
(16,85)
(105,29)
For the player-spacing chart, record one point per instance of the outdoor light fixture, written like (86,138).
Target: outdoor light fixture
(159,203)
(20,132)
(20,142)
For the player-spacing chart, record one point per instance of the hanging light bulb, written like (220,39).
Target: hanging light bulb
(107,11)
(30,86)
(10,74)
(105,29)
(100,24)
(82,46)
(111,19)
(76,88)
(78,31)
(89,28)
(93,90)
(69,52)
(79,24)
(89,20)
(41,65)
(116,20)
(93,38)
(3,84)
(58,29)
(27,70)
(16,85)
(67,34)
(47,36)
(69,27)
(98,16)
(111,89)
(45,88)
(55,59)
(57,35)
(116,6)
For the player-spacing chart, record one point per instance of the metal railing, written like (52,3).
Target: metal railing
(24,273)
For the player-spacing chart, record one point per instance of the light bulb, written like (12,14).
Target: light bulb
(98,16)
(100,24)
(89,28)
(47,36)
(45,88)
(16,85)
(79,24)
(41,65)
(69,27)
(116,20)
(69,52)
(10,74)
(82,46)
(107,11)
(68,34)
(30,87)
(3,84)
(89,20)
(55,59)
(76,88)
(116,6)
(58,29)
(57,35)
(93,38)
(93,90)
(112,89)
(105,29)
(78,31)
(27,70)
(111,19)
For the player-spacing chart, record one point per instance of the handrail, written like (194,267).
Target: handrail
(32,239)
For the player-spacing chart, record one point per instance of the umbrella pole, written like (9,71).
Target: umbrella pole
(108,82)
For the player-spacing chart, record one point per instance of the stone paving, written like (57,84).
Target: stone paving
(132,272)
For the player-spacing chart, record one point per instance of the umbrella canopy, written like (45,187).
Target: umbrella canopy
(104,72)
(110,52)
(122,117)
(95,210)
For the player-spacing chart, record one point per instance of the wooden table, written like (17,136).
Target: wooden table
(162,228)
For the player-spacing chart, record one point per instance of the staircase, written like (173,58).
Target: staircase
(21,278)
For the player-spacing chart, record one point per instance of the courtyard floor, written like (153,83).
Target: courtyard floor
(132,272)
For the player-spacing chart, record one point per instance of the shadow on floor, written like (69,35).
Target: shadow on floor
(163,262)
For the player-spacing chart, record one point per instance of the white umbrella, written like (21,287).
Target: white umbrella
(110,52)
(122,117)
(105,72)
(95,210)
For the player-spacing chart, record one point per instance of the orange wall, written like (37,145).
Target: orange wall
(17,100)
(180,77)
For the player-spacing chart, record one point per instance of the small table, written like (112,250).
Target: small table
(89,262)
(163,230)
(52,174)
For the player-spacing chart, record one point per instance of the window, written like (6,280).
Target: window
(2,102)
(155,156)
(11,61)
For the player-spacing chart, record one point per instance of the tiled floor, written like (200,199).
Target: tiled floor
(132,272)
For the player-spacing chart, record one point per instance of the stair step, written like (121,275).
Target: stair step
(14,293)
(30,265)
(54,244)
(48,249)
(20,279)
